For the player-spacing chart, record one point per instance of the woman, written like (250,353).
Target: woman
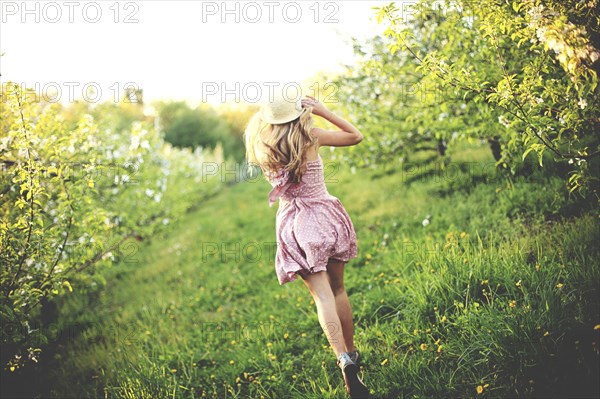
(315,236)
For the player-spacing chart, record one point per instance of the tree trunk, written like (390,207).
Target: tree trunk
(442,147)
(495,147)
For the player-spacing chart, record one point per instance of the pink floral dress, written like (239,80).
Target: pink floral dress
(312,225)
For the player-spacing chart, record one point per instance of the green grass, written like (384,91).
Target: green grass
(504,281)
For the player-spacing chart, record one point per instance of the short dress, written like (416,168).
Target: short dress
(312,225)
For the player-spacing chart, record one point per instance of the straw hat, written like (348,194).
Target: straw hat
(281,110)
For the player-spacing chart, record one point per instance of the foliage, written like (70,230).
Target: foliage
(202,126)
(77,195)
(523,74)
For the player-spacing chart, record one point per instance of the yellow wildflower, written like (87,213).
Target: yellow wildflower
(423,347)
(479,389)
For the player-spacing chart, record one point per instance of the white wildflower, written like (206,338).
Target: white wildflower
(4,143)
(135,143)
(426,221)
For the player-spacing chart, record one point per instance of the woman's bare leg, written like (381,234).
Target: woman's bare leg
(320,289)
(335,272)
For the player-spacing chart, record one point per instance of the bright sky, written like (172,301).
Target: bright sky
(178,49)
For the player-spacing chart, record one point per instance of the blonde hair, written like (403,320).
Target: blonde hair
(280,146)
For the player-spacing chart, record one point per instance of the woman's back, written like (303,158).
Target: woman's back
(311,187)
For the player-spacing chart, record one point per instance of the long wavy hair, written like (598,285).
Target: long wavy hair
(280,146)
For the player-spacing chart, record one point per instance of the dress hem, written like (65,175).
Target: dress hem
(293,274)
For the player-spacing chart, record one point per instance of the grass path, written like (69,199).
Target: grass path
(488,296)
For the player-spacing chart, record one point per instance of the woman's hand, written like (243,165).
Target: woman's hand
(348,134)
(317,108)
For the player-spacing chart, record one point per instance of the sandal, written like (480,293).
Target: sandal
(354,385)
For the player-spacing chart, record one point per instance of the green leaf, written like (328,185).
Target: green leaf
(527,152)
